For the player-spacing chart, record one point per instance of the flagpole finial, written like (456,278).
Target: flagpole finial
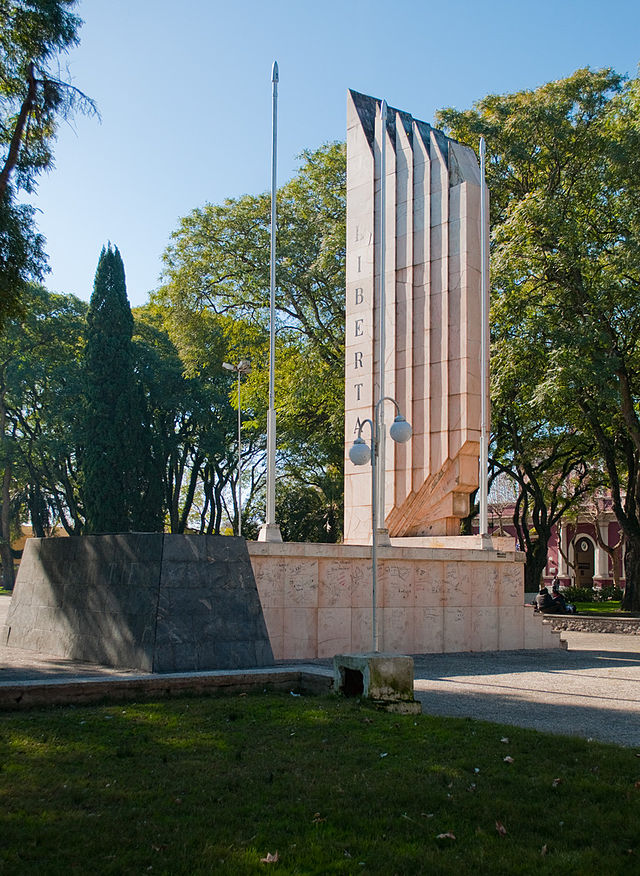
(274,72)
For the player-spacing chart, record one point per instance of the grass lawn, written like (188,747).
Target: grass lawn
(214,785)
(598,607)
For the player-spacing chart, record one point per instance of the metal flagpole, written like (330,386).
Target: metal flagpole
(484,351)
(382,315)
(269,530)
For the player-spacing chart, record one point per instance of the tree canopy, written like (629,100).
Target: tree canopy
(33,36)
(563,174)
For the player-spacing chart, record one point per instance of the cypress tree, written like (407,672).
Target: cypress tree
(119,488)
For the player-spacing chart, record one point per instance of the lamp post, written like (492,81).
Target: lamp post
(360,453)
(243,367)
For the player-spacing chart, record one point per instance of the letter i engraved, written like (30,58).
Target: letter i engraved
(359,268)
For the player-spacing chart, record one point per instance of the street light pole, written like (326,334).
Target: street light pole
(360,454)
(243,367)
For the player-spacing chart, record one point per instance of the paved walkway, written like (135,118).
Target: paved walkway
(591,690)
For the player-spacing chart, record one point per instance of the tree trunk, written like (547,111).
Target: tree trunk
(7,574)
(631,598)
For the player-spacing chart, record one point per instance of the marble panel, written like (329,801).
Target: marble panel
(397,581)
(334,583)
(457,629)
(361,634)
(274,620)
(300,633)
(511,627)
(428,635)
(429,583)
(301,582)
(269,574)
(397,630)
(512,584)
(334,631)
(362,584)
(457,586)
(484,629)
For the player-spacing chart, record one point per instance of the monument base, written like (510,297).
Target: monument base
(160,603)
(270,532)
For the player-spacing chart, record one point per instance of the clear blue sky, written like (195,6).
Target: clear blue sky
(184,90)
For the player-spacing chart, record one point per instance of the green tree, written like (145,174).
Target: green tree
(564,176)
(33,35)
(40,413)
(120,460)
(218,264)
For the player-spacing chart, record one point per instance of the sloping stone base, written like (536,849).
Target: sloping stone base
(162,603)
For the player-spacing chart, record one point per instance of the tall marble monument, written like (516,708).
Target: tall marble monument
(432,318)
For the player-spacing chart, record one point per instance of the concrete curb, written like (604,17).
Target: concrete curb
(78,691)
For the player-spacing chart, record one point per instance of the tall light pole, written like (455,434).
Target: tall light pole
(270,531)
(382,336)
(243,367)
(360,454)
(484,353)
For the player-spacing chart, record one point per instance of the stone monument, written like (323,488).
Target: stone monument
(432,320)
(150,601)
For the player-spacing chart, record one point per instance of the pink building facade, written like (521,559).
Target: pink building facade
(574,554)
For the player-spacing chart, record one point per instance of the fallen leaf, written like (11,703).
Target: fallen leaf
(427,814)
(637,785)
(447,835)
(543,850)
(294,694)
(505,739)
(384,754)
(502,830)
(317,818)
(556,782)
(476,769)
(270,859)
(508,759)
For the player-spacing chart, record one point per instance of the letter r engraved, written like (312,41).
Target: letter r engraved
(359,332)
(358,360)
(359,295)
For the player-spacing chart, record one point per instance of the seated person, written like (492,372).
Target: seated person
(558,600)
(544,601)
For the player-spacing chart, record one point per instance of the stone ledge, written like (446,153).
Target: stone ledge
(55,692)
(581,623)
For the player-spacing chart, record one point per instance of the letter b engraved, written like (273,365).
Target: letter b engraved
(359,295)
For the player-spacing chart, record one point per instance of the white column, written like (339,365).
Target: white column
(562,563)
(602,557)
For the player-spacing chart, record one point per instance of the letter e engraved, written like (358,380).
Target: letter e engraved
(359,294)
(358,387)
(358,360)
(359,332)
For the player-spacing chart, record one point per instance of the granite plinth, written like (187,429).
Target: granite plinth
(161,603)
